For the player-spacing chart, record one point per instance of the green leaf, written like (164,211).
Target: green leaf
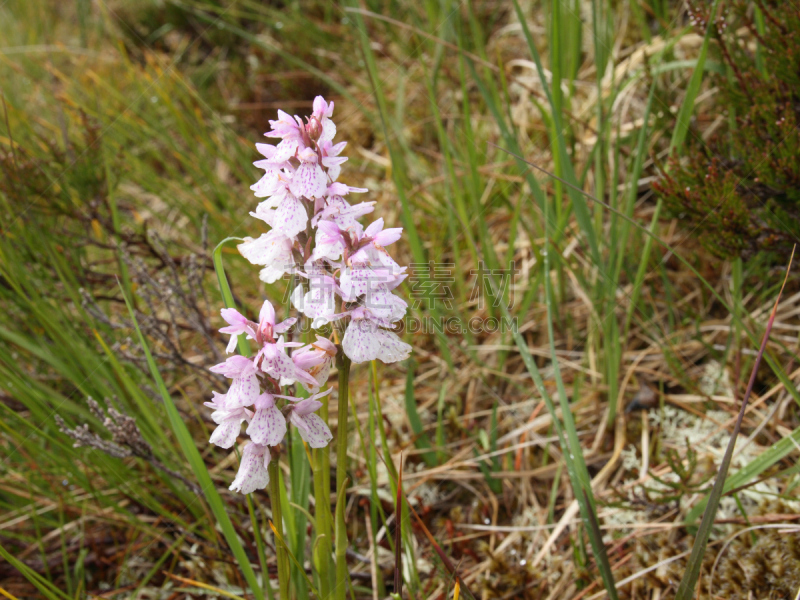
(225,288)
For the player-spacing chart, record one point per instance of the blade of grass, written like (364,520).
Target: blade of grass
(692,573)
(284,569)
(451,569)
(776,369)
(157,566)
(300,489)
(204,586)
(573,452)
(576,464)
(687,108)
(580,207)
(8,595)
(322,546)
(50,591)
(262,558)
(421,440)
(225,288)
(297,564)
(399,176)
(488,467)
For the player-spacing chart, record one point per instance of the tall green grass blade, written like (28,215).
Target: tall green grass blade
(440,437)
(692,573)
(394,477)
(48,590)
(421,440)
(491,447)
(262,557)
(300,489)
(776,368)
(687,108)
(579,205)
(225,288)
(195,461)
(398,511)
(281,541)
(576,464)
(323,531)
(451,569)
(281,549)
(289,532)
(163,558)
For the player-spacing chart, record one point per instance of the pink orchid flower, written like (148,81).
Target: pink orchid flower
(331,159)
(316,359)
(245,387)
(319,302)
(252,474)
(268,426)
(309,180)
(228,420)
(323,111)
(310,426)
(330,243)
(366,339)
(273,250)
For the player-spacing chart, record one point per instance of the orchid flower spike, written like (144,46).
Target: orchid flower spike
(346,274)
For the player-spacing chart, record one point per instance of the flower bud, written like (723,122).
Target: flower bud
(314,128)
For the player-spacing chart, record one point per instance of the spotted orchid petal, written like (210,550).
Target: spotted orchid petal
(276,363)
(272,247)
(237,324)
(291,217)
(268,425)
(310,426)
(229,424)
(309,180)
(365,340)
(252,474)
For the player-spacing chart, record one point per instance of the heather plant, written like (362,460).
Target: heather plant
(739,192)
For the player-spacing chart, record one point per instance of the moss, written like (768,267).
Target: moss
(768,568)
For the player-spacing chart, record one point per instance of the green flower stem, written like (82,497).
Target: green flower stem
(322,497)
(343,366)
(277,521)
(262,558)
(342,576)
